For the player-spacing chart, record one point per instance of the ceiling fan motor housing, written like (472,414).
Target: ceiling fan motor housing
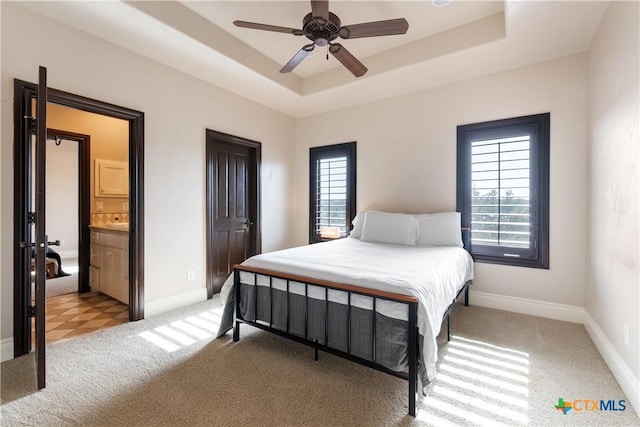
(321,35)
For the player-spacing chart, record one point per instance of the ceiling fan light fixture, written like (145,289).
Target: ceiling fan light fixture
(323,27)
(441,3)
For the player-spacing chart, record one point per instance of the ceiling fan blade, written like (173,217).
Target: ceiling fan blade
(374,29)
(320,11)
(266,27)
(297,58)
(352,64)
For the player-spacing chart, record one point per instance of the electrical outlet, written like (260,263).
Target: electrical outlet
(99,206)
(125,206)
(626,335)
(191,275)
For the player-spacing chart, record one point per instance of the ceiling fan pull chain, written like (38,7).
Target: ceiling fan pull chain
(328,51)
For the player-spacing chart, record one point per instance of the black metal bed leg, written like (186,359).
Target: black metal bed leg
(236,306)
(466,296)
(236,331)
(413,357)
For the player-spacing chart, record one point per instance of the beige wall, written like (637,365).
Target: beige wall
(62,195)
(178,108)
(109,140)
(613,282)
(407,162)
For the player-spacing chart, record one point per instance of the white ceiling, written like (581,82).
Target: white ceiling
(443,44)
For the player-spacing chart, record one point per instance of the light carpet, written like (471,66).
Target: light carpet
(499,369)
(58,286)
(61,285)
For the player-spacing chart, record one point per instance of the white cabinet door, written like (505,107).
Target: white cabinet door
(124,277)
(95,257)
(109,272)
(111,178)
(94,279)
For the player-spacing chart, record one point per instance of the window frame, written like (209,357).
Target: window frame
(537,256)
(348,150)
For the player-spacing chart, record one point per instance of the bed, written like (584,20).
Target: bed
(372,301)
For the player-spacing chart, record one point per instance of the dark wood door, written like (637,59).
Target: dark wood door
(24,204)
(41,242)
(232,206)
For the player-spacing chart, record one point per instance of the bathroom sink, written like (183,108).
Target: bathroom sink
(118,225)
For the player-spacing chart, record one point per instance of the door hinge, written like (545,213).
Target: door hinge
(31,122)
(31,311)
(31,217)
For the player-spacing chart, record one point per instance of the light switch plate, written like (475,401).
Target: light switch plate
(99,206)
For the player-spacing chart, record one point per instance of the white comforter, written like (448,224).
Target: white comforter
(432,274)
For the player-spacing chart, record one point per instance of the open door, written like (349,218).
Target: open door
(40,242)
(30,242)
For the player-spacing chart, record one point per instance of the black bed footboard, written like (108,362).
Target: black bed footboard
(373,328)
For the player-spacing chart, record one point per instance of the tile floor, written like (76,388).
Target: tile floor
(76,314)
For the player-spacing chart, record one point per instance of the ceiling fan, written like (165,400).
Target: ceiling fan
(323,27)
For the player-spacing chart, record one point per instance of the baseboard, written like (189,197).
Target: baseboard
(163,305)
(6,349)
(72,253)
(620,370)
(550,310)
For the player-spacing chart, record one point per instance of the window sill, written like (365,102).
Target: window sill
(514,262)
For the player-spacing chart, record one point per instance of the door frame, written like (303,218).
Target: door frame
(255,159)
(84,200)
(24,92)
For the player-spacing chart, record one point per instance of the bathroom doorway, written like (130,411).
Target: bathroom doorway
(67,220)
(24,114)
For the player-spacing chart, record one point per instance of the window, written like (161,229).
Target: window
(332,191)
(503,189)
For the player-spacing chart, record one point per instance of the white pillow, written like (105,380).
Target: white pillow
(439,229)
(384,227)
(358,223)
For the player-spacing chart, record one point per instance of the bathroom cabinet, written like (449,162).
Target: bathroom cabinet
(111,178)
(109,263)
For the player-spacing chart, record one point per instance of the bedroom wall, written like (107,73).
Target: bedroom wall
(174,148)
(407,162)
(613,229)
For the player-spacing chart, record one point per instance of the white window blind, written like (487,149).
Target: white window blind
(331,195)
(501,199)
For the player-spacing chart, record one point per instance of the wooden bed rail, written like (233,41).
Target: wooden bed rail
(328,284)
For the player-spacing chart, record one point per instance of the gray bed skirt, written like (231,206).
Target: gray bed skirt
(346,327)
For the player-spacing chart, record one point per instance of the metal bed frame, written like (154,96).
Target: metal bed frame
(412,303)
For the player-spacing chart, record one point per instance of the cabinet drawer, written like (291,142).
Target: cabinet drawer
(108,238)
(117,240)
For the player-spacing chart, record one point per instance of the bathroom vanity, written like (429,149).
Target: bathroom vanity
(109,261)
